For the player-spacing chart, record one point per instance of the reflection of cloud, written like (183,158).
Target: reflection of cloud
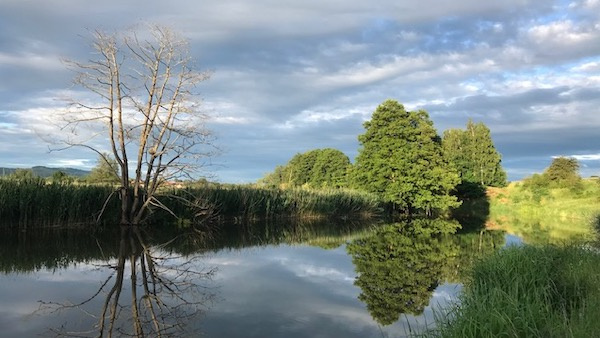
(313,271)
(445,292)
(225,261)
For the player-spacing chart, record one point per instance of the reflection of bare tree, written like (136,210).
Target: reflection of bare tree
(165,292)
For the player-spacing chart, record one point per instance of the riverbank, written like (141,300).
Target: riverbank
(529,291)
(548,216)
(549,288)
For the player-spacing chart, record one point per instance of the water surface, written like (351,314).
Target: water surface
(252,280)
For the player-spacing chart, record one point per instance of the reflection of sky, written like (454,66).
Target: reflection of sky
(513,240)
(298,291)
(273,291)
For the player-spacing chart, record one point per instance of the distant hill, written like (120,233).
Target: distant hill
(42,171)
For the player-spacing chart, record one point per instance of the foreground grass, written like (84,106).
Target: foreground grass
(529,292)
(556,216)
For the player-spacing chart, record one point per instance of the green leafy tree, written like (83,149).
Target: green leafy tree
(400,265)
(106,171)
(563,171)
(318,168)
(300,168)
(329,169)
(401,159)
(473,154)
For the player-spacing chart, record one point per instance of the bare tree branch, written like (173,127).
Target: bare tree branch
(144,102)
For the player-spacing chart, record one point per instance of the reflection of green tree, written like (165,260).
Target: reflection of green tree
(325,234)
(400,265)
(472,246)
(60,248)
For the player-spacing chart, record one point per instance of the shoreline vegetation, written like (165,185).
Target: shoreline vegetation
(554,215)
(528,291)
(35,203)
(549,287)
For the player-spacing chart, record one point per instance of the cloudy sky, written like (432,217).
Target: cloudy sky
(290,76)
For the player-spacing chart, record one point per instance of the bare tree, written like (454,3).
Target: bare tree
(143,103)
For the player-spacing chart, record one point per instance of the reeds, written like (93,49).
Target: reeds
(34,203)
(247,202)
(529,292)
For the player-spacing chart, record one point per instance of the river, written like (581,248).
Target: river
(282,279)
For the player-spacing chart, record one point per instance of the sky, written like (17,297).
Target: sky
(291,76)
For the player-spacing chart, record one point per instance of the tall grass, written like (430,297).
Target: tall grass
(529,292)
(247,202)
(35,203)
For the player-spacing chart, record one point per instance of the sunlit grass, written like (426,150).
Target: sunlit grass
(556,216)
(528,291)
(249,202)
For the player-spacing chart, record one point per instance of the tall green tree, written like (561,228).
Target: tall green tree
(329,169)
(473,154)
(563,171)
(276,178)
(401,159)
(318,168)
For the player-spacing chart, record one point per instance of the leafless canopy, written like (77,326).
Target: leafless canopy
(143,103)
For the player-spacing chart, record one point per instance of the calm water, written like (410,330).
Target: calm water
(260,280)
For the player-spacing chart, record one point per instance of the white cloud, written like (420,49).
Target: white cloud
(31,60)
(585,157)
(78,162)
(593,66)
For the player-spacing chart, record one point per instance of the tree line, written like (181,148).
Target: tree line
(105,172)
(403,160)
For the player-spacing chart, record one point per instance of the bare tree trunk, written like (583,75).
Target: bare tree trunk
(146,104)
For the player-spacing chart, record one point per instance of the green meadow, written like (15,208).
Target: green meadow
(552,216)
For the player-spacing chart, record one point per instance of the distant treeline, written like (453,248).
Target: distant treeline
(45,172)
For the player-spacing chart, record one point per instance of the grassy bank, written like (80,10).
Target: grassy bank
(529,292)
(550,215)
(35,203)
